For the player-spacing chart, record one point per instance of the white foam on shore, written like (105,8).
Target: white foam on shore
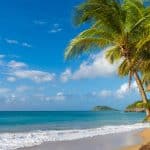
(11,141)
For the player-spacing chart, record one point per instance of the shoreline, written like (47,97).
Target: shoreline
(104,142)
(145,141)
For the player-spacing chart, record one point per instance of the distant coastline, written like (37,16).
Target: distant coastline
(103,108)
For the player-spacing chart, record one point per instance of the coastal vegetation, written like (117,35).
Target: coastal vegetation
(122,28)
(103,108)
(137,106)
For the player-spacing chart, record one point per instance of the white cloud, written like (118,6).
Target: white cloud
(25,44)
(134,86)
(66,75)
(2,56)
(58,97)
(56,25)
(119,93)
(6,94)
(105,93)
(11,98)
(56,28)
(39,22)
(4,91)
(19,70)
(125,89)
(22,88)
(34,75)
(96,66)
(11,79)
(10,41)
(15,65)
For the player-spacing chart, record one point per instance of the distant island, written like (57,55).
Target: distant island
(137,106)
(103,108)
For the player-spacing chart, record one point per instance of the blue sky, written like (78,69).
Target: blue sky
(34,74)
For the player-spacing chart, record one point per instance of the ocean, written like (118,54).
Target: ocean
(24,129)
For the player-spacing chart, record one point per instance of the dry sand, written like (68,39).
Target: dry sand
(145,145)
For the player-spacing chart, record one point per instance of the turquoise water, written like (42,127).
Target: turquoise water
(26,121)
(25,129)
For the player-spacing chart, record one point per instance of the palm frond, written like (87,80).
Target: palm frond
(108,11)
(113,54)
(96,33)
(124,69)
(143,42)
(134,12)
(146,78)
(81,45)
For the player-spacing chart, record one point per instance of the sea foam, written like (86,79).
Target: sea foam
(16,140)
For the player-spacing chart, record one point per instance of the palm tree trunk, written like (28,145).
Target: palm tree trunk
(142,92)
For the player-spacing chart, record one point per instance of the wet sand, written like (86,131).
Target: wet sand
(105,142)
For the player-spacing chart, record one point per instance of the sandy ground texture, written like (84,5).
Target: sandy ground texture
(145,145)
(105,142)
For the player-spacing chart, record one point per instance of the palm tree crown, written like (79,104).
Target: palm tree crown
(121,27)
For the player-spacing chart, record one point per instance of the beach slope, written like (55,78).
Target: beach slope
(145,144)
(105,142)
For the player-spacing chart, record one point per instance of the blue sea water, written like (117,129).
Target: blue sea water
(23,129)
(60,120)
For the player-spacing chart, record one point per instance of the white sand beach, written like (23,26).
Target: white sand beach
(105,142)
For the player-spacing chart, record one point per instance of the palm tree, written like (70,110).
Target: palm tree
(116,25)
(146,75)
(140,63)
(143,51)
(146,80)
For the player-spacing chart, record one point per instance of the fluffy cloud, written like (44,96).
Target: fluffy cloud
(15,95)
(4,91)
(39,22)
(56,28)
(34,75)
(99,67)
(14,64)
(11,79)
(119,93)
(24,44)
(105,93)
(19,70)
(96,66)
(19,95)
(125,89)
(23,88)
(66,75)
(58,97)
(10,41)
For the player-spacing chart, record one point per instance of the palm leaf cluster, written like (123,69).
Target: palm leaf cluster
(123,28)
